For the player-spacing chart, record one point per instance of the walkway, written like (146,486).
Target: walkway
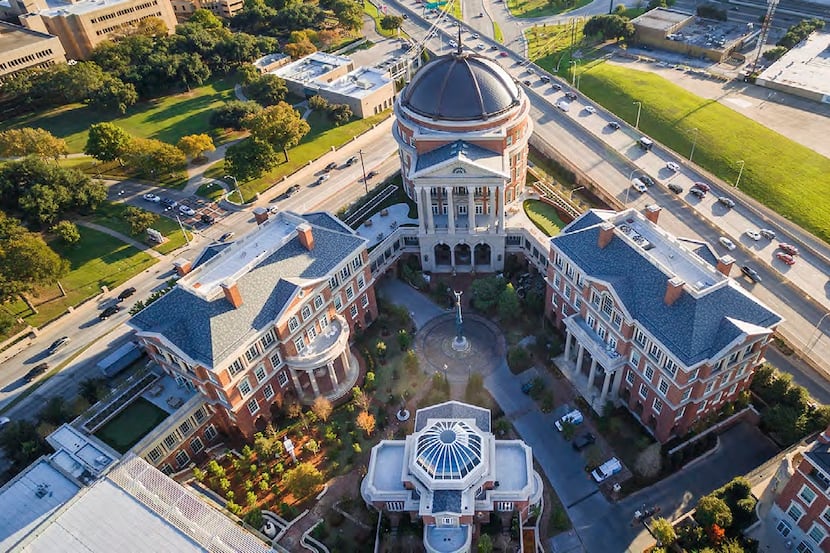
(123,237)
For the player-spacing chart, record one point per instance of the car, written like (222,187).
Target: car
(545,79)
(676,188)
(609,468)
(785,257)
(58,344)
(531,70)
(726,243)
(322,178)
(292,190)
(227,236)
(475,36)
(751,273)
(767,233)
(494,47)
(170,203)
(583,441)
(4,421)
(109,312)
(480,46)
(126,293)
(694,191)
(574,417)
(207,219)
(672,166)
(556,86)
(503,54)
(351,161)
(570,95)
(404,16)
(36,372)
(185,210)
(526,82)
(754,234)
(648,181)
(151,198)
(590,109)
(563,105)
(639,186)
(727,202)
(788,248)
(453,44)
(701,186)
(372,174)
(331,166)
(613,125)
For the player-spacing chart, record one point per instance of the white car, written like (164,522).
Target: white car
(453,44)
(563,105)
(639,186)
(184,210)
(609,468)
(673,166)
(480,46)
(574,417)
(151,198)
(726,243)
(530,70)
(590,109)
(475,36)
(754,234)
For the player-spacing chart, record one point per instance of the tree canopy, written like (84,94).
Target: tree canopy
(106,142)
(609,27)
(28,141)
(25,260)
(280,125)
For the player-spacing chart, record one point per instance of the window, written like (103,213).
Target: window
(639,337)
(349,292)
(185,428)
(345,272)
(268,392)
(338,303)
(170,441)
(804,547)
(312,333)
(447,521)
(703,406)
(318,302)
(210,432)
(693,376)
(630,377)
(361,282)
(357,262)
(732,389)
(663,386)
(607,305)
(282,379)
(617,320)
(594,298)
(306,312)
(635,358)
(680,414)
(182,458)
(734,356)
(658,405)
(299,343)
(394,505)
(687,394)
(293,324)
(244,387)
(718,397)
(670,366)
(591,321)
(649,372)
(577,302)
(817,533)
(784,528)
(568,292)
(196,445)
(235,367)
(654,351)
(154,455)
(557,281)
(252,353)
(324,321)
(167,469)
(353,311)
(260,373)
(795,512)
(612,343)
(253,406)
(807,495)
(504,506)
(601,332)
(826,515)
(276,359)
(333,282)
(643,391)
(199,414)
(364,301)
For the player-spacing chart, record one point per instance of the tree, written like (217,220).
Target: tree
(93,389)
(404,339)
(153,158)
(609,27)
(29,141)
(663,531)
(233,115)
(249,158)
(302,480)
(107,142)
(340,113)
(366,422)
(391,22)
(322,408)
(486,292)
(713,510)
(349,14)
(312,446)
(485,543)
(194,145)
(267,90)
(361,399)
(649,461)
(518,359)
(206,19)
(508,303)
(318,103)
(67,231)
(139,219)
(280,125)
(113,95)
(21,442)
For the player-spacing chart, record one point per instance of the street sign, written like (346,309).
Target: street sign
(433,5)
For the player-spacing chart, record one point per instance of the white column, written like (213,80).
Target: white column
(471,207)
(452,256)
(592,373)
(618,377)
(492,205)
(332,374)
(345,361)
(605,384)
(450,210)
(580,352)
(430,222)
(314,385)
(568,341)
(422,210)
(501,208)
(296,380)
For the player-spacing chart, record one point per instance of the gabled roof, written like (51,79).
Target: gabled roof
(210,330)
(208,253)
(453,410)
(588,219)
(694,329)
(459,150)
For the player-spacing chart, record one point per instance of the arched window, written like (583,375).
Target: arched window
(459,170)
(607,304)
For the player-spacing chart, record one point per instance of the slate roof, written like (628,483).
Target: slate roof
(820,456)
(702,250)
(446,501)
(208,253)
(693,329)
(454,150)
(326,220)
(453,410)
(208,331)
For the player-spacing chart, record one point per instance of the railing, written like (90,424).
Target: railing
(109,405)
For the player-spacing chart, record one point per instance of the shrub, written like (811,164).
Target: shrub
(254,518)
(518,359)
(712,510)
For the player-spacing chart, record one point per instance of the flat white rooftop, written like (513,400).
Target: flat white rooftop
(807,66)
(57,8)
(311,67)
(269,59)
(389,466)
(358,83)
(511,466)
(661,19)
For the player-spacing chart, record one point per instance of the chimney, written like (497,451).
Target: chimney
(232,294)
(182,266)
(652,212)
(606,232)
(725,264)
(824,437)
(674,289)
(305,236)
(260,215)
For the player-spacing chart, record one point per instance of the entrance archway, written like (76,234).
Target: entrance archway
(442,255)
(462,254)
(483,254)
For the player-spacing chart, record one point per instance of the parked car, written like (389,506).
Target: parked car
(151,198)
(727,202)
(530,70)
(574,417)
(322,178)
(609,468)
(292,190)
(614,125)
(494,47)
(754,234)
(583,441)
(751,273)
(371,174)
(570,95)
(563,105)
(702,186)
(785,257)
(170,203)
(109,312)
(475,36)
(36,372)
(694,191)
(639,186)
(788,248)
(556,86)
(331,166)
(726,243)
(545,79)
(590,109)
(526,82)
(453,44)
(672,166)
(227,236)
(207,219)
(58,344)
(767,233)
(676,188)
(648,181)
(185,210)
(503,54)
(126,293)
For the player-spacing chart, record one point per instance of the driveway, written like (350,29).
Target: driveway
(420,307)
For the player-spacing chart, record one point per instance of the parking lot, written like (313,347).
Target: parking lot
(169,204)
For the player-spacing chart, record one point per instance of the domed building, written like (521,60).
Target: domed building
(462,129)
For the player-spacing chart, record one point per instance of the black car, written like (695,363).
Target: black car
(207,219)
(545,79)
(570,95)
(351,161)
(526,82)
(729,203)
(648,181)
(372,174)
(58,344)
(583,441)
(109,312)
(330,167)
(676,188)
(225,237)
(126,293)
(36,372)
(556,86)
(169,202)
(292,190)
(751,273)
(614,125)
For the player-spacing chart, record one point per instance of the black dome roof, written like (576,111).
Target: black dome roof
(461,87)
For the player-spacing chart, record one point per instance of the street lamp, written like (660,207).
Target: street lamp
(362,166)
(694,142)
(181,226)
(573,63)
(571,196)
(639,108)
(816,333)
(628,187)
(236,187)
(741,172)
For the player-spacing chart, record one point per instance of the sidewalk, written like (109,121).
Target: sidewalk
(124,238)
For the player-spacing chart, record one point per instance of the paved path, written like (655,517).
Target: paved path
(420,307)
(124,238)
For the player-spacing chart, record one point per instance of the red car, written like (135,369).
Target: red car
(701,186)
(789,248)
(786,258)
(503,54)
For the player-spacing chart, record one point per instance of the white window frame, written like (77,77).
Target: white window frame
(361,282)
(236,367)
(353,311)
(210,432)
(260,373)
(196,444)
(784,527)
(282,379)
(820,528)
(182,463)
(293,324)
(306,312)
(299,343)
(649,372)
(364,301)
(809,490)
(634,359)
(318,302)
(253,406)
(643,388)
(657,405)
(630,377)
(268,392)
(349,292)
(338,302)
(276,355)
(244,387)
(312,333)
(663,384)
(797,507)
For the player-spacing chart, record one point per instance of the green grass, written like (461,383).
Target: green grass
(550,46)
(539,8)
(97,260)
(113,170)
(372,11)
(322,137)
(166,119)
(130,425)
(543,216)
(212,192)
(498,36)
(780,173)
(111,215)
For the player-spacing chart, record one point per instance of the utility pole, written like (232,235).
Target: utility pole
(184,232)
(362,166)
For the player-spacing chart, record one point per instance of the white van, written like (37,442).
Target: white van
(645,143)
(639,185)
(574,417)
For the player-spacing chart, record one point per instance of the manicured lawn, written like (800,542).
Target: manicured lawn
(543,216)
(785,176)
(538,8)
(550,46)
(113,170)
(166,119)
(322,137)
(212,192)
(97,260)
(111,215)
(130,425)
(498,36)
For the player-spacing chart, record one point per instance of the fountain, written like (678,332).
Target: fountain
(460,342)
